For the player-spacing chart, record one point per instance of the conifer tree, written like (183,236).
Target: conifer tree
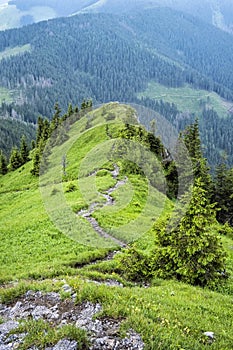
(24,152)
(70,110)
(56,118)
(191,139)
(15,159)
(36,162)
(40,127)
(188,247)
(3,164)
(46,131)
(223,193)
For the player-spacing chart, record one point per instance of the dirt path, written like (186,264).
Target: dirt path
(87,213)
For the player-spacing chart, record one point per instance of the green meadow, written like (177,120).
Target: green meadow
(35,248)
(187,99)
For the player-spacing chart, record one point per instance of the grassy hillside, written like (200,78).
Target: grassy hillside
(167,314)
(42,248)
(188,99)
(9,52)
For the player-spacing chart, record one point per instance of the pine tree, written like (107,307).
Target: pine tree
(15,159)
(76,109)
(223,193)
(36,159)
(45,131)
(3,164)
(33,144)
(188,248)
(191,138)
(70,110)
(24,152)
(55,122)
(40,127)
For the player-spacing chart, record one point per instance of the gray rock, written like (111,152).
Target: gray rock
(209,334)
(41,312)
(8,343)
(132,342)
(103,333)
(65,345)
(67,288)
(5,328)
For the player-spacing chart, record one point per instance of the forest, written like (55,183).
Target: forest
(112,58)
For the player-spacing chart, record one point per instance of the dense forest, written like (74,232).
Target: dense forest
(110,58)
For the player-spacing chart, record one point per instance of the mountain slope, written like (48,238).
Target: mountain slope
(44,236)
(37,256)
(107,57)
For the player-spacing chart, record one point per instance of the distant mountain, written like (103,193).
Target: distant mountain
(110,57)
(15,13)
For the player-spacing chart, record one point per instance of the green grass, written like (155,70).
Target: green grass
(187,99)
(17,50)
(167,314)
(31,246)
(6,95)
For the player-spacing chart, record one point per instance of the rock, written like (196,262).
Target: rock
(67,288)
(41,312)
(5,328)
(103,332)
(132,342)
(209,334)
(8,343)
(85,317)
(65,345)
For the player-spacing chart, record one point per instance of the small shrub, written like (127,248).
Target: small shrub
(102,172)
(135,265)
(71,187)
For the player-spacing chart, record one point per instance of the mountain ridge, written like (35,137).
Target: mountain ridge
(120,56)
(26,12)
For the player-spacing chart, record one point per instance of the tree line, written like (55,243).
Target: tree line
(96,55)
(45,128)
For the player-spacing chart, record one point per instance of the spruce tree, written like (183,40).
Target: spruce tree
(15,159)
(191,138)
(3,164)
(223,193)
(24,152)
(56,119)
(188,247)
(36,159)
(70,110)
(40,127)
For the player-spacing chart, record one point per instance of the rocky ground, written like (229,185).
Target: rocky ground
(103,333)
